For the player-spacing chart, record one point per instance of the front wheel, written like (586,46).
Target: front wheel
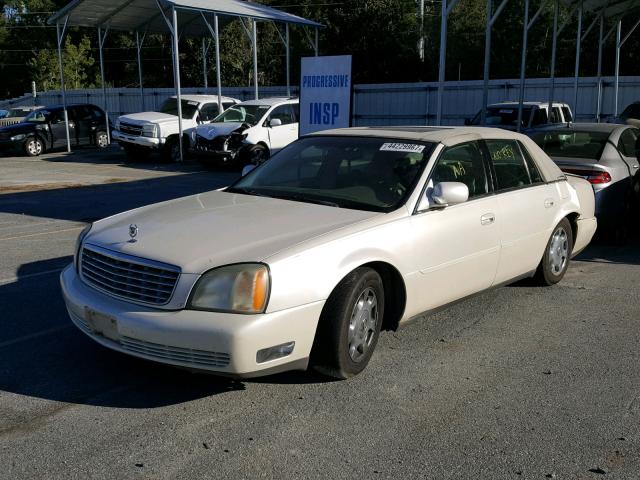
(256,155)
(349,325)
(557,254)
(33,147)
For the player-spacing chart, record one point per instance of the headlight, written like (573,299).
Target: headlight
(240,288)
(79,241)
(20,136)
(149,130)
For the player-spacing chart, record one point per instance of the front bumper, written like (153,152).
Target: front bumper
(135,140)
(10,145)
(219,342)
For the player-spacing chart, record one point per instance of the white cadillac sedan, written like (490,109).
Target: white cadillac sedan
(305,259)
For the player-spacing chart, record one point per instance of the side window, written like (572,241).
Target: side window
(534,173)
(511,170)
(227,105)
(463,163)
(284,113)
(57,116)
(208,112)
(568,117)
(539,117)
(555,115)
(296,111)
(628,142)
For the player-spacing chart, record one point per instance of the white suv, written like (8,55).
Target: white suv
(534,114)
(141,133)
(248,133)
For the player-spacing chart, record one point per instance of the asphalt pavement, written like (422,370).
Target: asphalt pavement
(520,382)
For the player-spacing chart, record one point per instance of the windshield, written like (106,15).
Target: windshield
(572,144)
(250,114)
(361,173)
(37,116)
(504,116)
(170,106)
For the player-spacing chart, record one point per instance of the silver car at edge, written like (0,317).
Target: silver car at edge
(607,156)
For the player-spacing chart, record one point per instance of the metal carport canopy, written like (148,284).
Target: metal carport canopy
(143,15)
(160,16)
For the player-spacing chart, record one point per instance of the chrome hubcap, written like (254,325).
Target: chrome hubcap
(102,140)
(362,326)
(34,147)
(558,251)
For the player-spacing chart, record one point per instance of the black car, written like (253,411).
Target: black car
(44,129)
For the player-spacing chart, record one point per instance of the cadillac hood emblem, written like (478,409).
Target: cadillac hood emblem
(133,232)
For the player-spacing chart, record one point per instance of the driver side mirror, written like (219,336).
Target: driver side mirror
(275,122)
(445,194)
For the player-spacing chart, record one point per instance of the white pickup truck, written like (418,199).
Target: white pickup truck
(142,133)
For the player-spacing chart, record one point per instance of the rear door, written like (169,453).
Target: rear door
(526,208)
(629,146)
(84,123)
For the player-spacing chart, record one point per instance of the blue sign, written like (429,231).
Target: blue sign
(325,93)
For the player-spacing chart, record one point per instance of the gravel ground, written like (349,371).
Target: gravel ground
(517,383)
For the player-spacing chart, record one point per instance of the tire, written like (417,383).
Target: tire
(349,325)
(171,151)
(33,147)
(102,140)
(256,155)
(557,255)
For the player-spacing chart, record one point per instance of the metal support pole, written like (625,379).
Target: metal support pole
(218,73)
(576,72)
(101,39)
(288,53)
(176,75)
(600,42)
(204,63)
(617,72)
(554,46)
(487,62)
(317,43)
(60,35)
(139,47)
(442,62)
(523,62)
(254,41)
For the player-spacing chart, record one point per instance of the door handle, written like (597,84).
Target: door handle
(487,219)
(548,203)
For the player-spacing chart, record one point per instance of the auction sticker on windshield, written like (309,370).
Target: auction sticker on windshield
(402,147)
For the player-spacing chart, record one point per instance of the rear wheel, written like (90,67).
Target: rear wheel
(102,140)
(33,146)
(349,326)
(555,261)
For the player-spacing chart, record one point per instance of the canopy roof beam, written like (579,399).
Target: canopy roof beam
(60,34)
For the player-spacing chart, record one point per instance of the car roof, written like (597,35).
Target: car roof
(60,107)
(204,98)
(271,101)
(444,135)
(527,104)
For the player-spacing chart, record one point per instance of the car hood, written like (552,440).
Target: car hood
(203,231)
(213,130)
(17,128)
(149,117)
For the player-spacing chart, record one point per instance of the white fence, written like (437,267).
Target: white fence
(384,104)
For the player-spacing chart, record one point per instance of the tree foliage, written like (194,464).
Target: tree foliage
(382,36)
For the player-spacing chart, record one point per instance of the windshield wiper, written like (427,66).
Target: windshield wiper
(246,191)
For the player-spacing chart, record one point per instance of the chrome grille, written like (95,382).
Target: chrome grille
(166,352)
(128,277)
(130,129)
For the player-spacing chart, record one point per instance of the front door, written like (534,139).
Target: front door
(282,135)
(58,130)
(457,247)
